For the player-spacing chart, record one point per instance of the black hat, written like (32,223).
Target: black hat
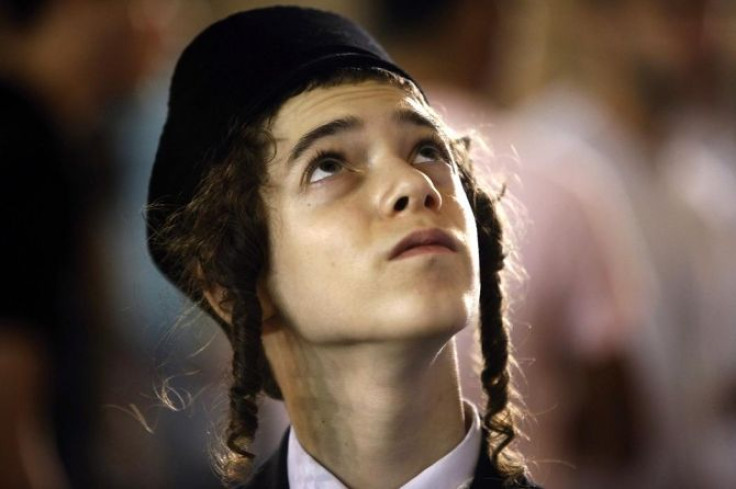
(239,68)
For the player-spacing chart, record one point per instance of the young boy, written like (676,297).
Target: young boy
(306,195)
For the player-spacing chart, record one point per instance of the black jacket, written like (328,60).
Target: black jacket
(273,473)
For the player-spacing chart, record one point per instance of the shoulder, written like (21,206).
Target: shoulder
(495,481)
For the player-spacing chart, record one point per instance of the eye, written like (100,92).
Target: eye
(323,166)
(430,151)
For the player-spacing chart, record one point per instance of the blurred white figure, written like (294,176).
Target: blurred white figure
(700,158)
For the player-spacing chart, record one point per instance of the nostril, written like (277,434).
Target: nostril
(430,201)
(401,204)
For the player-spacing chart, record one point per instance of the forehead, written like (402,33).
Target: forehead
(370,100)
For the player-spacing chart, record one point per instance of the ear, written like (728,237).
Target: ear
(216,299)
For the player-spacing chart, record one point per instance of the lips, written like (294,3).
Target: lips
(426,240)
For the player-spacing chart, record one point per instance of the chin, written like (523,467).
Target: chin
(424,318)
(396,315)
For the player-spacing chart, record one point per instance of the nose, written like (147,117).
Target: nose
(409,190)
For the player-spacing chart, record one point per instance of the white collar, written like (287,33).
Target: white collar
(453,471)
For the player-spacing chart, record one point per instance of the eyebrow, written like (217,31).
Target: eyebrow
(332,128)
(404,116)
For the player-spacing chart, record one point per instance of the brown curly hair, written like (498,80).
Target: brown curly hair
(221,239)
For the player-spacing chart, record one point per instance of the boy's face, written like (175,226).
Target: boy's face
(372,237)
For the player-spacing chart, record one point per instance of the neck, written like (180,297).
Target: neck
(374,415)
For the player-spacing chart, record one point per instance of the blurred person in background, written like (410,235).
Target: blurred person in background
(698,160)
(62,62)
(580,304)
(617,72)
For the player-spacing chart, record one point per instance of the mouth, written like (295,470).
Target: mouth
(423,241)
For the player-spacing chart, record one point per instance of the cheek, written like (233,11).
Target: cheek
(311,259)
(472,233)
(461,202)
(467,217)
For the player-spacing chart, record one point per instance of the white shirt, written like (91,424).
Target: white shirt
(453,471)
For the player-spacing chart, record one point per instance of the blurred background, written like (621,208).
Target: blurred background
(612,123)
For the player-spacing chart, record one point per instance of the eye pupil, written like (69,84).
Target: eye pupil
(430,152)
(328,165)
(324,166)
